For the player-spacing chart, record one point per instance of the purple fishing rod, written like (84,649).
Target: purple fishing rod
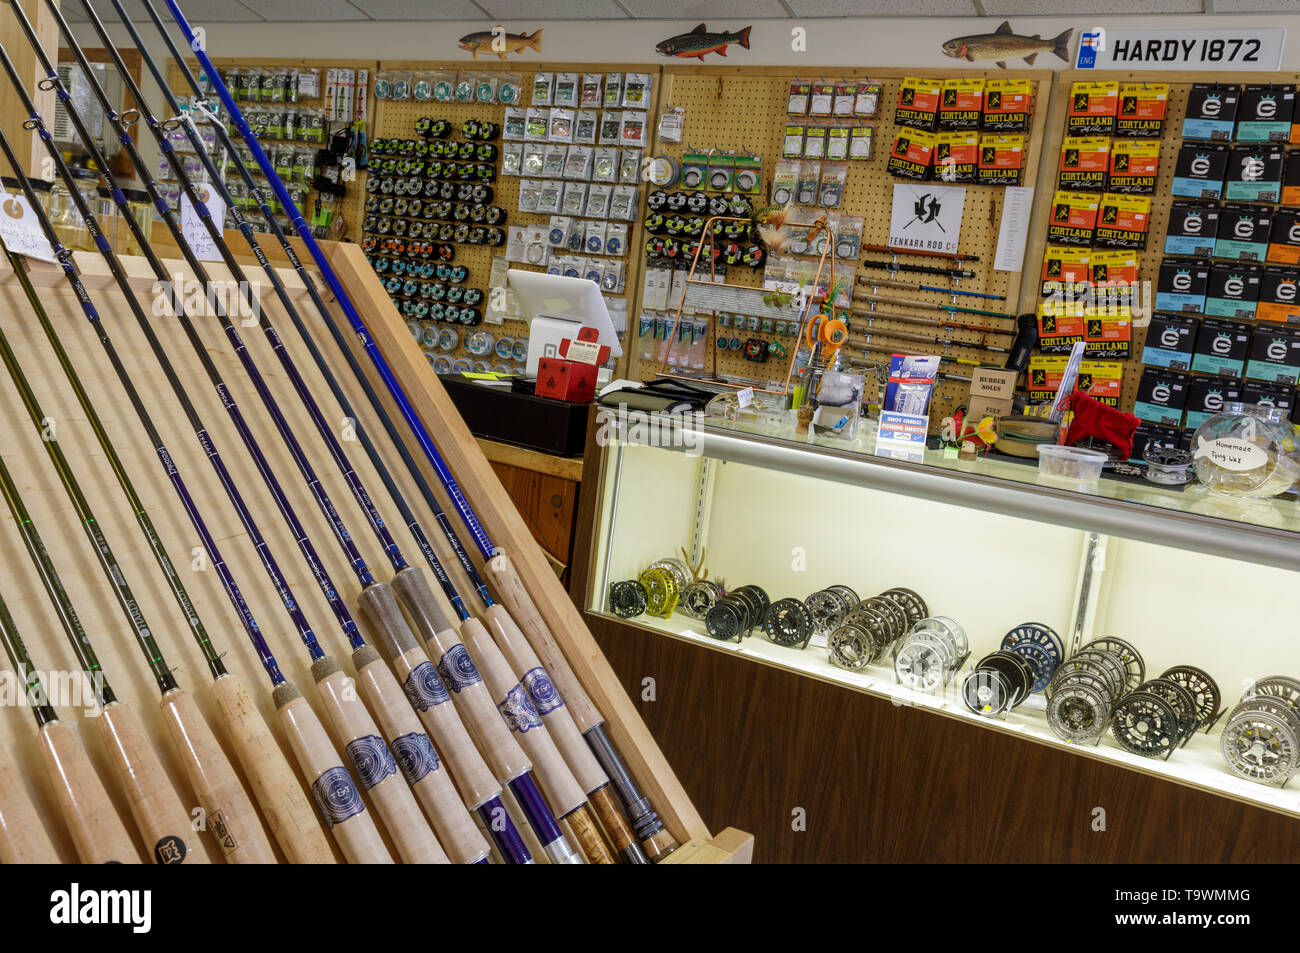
(655,837)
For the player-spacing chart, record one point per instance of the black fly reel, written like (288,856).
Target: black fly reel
(1156,717)
(1085,690)
(737,614)
(999,682)
(627,599)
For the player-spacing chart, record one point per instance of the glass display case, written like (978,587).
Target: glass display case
(1150,626)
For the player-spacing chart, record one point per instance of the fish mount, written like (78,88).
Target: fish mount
(700,41)
(498,42)
(1003,44)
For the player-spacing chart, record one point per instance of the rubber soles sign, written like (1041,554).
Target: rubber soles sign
(1244,49)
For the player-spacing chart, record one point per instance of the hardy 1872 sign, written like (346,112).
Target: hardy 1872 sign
(1247,48)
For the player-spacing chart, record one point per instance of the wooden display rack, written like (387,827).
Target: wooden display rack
(122,665)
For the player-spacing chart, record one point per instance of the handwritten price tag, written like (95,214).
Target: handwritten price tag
(21,232)
(196,234)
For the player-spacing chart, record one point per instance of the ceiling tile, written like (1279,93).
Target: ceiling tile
(197,12)
(420,9)
(517,10)
(882,8)
(305,11)
(705,10)
(1254,6)
(1034,8)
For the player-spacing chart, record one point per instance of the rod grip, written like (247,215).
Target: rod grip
(375,767)
(518,717)
(337,798)
(511,589)
(23,838)
(230,816)
(462,678)
(586,834)
(547,699)
(98,832)
(276,788)
(611,818)
(156,807)
(418,760)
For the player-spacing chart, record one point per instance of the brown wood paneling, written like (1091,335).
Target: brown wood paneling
(548,505)
(882,783)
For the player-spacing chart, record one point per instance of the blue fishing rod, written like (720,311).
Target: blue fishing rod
(655,837)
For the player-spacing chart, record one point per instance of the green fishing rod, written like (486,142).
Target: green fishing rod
(159,815)
(98,833)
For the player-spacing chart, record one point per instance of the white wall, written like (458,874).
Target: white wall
(897,41)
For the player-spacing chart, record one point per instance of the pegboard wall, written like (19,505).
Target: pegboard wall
(347,217)
(396,119)
(1149,259)
(734,109)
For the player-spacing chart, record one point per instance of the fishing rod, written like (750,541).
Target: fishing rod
(276,789)
(924,253)
(914,286)
(98,833)
(945,342)
(914,269)
(655,838)
(378,683)
(924,305)
(872,316)
(159,814)
(235,825)
(331,785)
(564,732)
(392,799)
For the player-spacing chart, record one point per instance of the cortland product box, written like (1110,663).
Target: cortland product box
(1122,221)
(1284,239)
(1265,112)
(1181,285)
(1254,173)
(1274,354)
(1093,109)
(1243,232)
(912,154)
(1001,160)
(1073,218)
(1134,166)
(1142,110)
(1161,397)
(1152,435)
(1233,291)
(1291,179)
(1114,277)
(1269,395)
(956,155)
(1221,347)
(918,102)
(1083,163)
(1065,266)
(1199,170)
(1060,323)
(1107,331)
(1206,397)
(1211,111)
(1008,104)
(1192,228)
(961,103)
(1279,296)
(1170,341)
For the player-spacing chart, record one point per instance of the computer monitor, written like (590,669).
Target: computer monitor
(556,307)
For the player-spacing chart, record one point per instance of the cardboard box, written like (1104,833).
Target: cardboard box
(991,393)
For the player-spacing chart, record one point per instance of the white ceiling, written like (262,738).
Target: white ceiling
(258,11)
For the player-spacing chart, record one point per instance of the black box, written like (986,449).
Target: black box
(1154,435)
(1270,395)
(1161,397)
(1211,111)
(1192,228)
(1206,397)
(1221,347)
(1274,354)
(537,423)
(1199,170)
(1169,341)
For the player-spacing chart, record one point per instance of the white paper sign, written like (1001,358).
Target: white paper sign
(1244,48)
(1014,230)
(927,217)
(1239,456)
(21,232)
(196,234)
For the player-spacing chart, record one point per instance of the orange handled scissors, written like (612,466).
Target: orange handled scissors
(831,333)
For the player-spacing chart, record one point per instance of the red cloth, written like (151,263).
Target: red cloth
(1092,418)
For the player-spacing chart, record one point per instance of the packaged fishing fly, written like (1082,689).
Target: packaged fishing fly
(911,383)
